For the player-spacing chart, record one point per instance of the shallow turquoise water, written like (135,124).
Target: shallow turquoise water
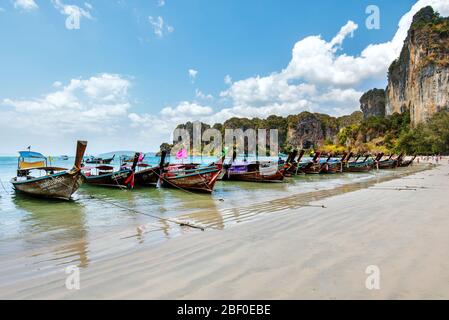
(38,234)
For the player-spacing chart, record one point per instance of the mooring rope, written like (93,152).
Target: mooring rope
(180,223)
(4,188)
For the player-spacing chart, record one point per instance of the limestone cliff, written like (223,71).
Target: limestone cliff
(304,130)
(372,103)
(310,130)
(419,79)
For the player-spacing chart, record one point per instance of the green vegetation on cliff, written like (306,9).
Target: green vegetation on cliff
(394,134)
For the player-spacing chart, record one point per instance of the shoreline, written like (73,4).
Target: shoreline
(294,253)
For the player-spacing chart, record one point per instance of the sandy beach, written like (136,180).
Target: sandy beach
(400,226)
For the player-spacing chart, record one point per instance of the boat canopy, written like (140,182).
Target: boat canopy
(31,165)
(31,154)
(49,168)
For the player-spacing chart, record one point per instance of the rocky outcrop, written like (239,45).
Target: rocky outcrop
(304,130)
(309,130)
(372,103)
(419,79)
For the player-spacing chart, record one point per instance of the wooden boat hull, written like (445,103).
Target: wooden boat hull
(331,168)
(200,181)
(118,179)
(254,176)
(362,167)
(404,164)
(312,168)
(387,164)
(57,186)
(147,177)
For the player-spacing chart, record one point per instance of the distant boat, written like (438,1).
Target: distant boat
(106,176)
(389,163)
(93,160)
(65,158)
(367,164)
(55,183)
(405,163)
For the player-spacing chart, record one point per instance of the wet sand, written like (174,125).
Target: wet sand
(401,226)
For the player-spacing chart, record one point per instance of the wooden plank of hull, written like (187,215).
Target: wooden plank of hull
(202,182)
(255,176)
(58,186)
(115,179)
(363,168)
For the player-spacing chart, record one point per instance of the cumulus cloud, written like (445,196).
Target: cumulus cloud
(71,10)
(159,27)
(81,104)
(319,77)
(186,109)
(26,5)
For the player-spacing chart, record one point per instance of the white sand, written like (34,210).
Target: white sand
(295,254)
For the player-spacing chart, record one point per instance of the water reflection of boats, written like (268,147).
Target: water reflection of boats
(64,234)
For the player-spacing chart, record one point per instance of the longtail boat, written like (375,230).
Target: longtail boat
(292,166)
(106,176)
(93,160)
(388,163)
(191,177)
(255,171)
(358,166)
(144,173)
(57,183)
(405,163)
(333,166)
(312,167)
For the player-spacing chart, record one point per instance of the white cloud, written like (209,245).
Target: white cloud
(228,79)
(319,76)
(160,3)
(192,74)
(200,95)
(159,26)
(80,105)
(25,5)
(72,10)
(186,109)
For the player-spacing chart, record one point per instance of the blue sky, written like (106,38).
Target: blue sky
(127,64)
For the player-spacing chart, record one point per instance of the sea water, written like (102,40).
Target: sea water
(39,234)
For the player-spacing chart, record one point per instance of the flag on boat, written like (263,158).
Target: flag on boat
(181,154)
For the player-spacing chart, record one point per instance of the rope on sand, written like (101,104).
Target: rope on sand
(180,223)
